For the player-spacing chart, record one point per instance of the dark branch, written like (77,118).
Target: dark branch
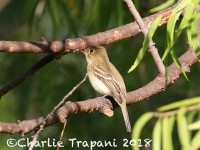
(31,71)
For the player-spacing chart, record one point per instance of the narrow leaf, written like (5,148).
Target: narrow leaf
(145,45)
(162,6)
(194,126)
(157,136)
(188,12)
(191,116)
(195,144)
(139,125)
(192,35)
(178,64)
(167,128)
(171,26)
(183,131)
(170,131)
(165,144)
(185,102)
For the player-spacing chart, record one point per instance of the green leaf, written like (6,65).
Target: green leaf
(165,144)
(157,135)
(189,17)
(178,64)
(170,34)
(145,45)
(184,25)
(162,6)
(193,17)
(185,102)
(171,27)
(171,38)
(186,22)
(183,131)
(193,38)
(139,125)
(188,12)
(194,126)
(189,22)
(191,116)
(195,144)
(170,130)
(167,128)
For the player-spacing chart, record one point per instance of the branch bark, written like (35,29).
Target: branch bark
(102,104)
(153,50)
(71,45)
(75,45)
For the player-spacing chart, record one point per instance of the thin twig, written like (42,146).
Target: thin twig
(144,29)
(65,97)
(62,133)
(36,135)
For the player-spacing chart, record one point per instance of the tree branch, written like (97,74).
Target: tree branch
(143,27)
(36,135)
(71,45)
(102,104)
(74,45)
(31,71)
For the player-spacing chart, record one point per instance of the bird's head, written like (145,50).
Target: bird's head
(96,53)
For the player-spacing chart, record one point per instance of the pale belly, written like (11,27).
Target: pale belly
(98,85)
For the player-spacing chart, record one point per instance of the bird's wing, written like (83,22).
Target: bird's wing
(110,81)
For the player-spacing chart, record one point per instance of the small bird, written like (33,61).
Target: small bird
(105,78)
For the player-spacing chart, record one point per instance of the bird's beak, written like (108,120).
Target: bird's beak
(83,51)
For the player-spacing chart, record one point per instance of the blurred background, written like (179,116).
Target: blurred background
(64,19)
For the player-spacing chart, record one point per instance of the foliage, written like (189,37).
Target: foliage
(52,19)
(186,115)
(190,19)
(146,42)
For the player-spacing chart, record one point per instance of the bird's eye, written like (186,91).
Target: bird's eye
(91,50)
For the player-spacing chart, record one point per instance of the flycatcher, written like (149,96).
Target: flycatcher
(105,78)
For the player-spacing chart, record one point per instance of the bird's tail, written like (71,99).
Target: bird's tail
(126,117)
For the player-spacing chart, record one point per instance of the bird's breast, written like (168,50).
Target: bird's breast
(97,84)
